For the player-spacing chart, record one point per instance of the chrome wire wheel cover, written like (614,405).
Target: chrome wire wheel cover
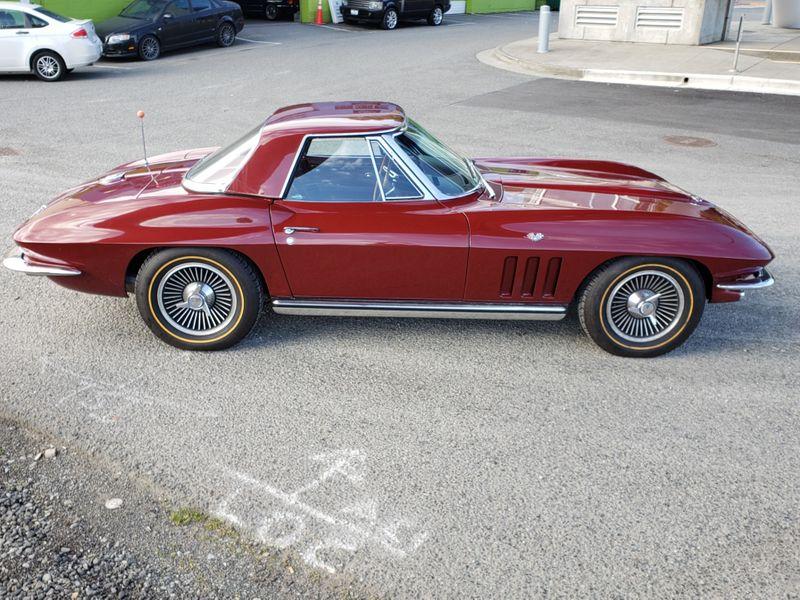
(197,299)
(391,19)
(150,48)
(437,15)
(48,67)
(226,35)
(645,306)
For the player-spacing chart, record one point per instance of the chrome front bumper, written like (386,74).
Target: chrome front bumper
(760,280)
(16,262)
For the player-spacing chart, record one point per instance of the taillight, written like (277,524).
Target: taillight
(80,33)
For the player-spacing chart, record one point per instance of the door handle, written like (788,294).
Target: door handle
(291,230)
(23,32)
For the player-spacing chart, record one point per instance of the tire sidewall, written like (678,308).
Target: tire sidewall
(592,308)
(271,12)
(247,289)
(432,16)
(222,28)
(59,61)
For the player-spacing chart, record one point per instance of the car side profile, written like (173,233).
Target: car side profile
(146,28)
(272,10)
(389,13)
(39,41)
(353,209)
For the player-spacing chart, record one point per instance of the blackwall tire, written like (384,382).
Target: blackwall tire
(436,16)
(199,298)
(642,306)
(390,19)
(226,35)
(149,48)
(271,12)
(48,66)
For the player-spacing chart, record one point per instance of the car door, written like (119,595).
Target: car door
(204,26)
(177,24)
(17,39)
(344,232)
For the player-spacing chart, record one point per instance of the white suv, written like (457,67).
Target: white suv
(34,39)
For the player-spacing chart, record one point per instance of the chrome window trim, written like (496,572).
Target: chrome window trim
(424,193)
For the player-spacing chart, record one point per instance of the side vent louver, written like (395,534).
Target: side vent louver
(551,279)
(529,279)
(593,16)
(509,271)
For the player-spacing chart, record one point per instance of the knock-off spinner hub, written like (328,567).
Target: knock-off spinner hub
(639,305)
(198,294)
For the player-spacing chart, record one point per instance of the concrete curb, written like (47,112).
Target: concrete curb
(501,58)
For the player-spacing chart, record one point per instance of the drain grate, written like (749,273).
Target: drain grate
(6,151)
(689,141)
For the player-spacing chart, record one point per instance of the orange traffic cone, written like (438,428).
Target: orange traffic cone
(319,20)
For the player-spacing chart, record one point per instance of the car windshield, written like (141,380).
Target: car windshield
(216,171)
(143,9)
(452,174)
(52,15)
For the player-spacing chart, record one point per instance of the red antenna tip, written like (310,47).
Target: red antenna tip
(140,114)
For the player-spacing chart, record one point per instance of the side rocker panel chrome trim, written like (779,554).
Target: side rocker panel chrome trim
(419,310)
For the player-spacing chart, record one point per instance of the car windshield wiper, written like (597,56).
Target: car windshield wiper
(485,183)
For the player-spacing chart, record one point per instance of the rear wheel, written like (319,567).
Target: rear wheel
(271,12)
(226,35)
(198,298)
(642,307)
(149,48)
(48,66)
(436,17)
(390,19)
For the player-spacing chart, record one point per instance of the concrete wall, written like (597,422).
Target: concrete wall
(689,22)
(97,10)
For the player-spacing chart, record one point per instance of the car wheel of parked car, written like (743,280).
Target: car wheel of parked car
(436,17)
(271,12)
(390,19)
(48,66)
(149,48)
(642,307)
(199,298)
(226,35)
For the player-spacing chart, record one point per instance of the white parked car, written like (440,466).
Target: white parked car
(34,39)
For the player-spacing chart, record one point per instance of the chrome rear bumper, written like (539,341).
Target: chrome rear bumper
(761,280)
(16,262)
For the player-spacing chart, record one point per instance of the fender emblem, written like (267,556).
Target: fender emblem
(535,237)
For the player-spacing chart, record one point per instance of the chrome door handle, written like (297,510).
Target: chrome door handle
(23,32)
(291,230)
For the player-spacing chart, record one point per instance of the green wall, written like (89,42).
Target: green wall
(493,6)
(97,10)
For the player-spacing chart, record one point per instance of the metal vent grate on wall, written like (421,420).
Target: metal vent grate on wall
(605,16)
(662,18)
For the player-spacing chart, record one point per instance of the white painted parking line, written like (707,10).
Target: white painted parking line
(340,29)
(259,42)
(114,67)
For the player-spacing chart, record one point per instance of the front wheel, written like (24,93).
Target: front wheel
(436,17)
(390,19)
(48,66)
(642,307)
(198,298)
(271,12)
(149,48)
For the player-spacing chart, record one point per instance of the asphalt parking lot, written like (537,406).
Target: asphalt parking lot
(432,458)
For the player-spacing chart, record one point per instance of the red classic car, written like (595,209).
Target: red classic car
(351,208)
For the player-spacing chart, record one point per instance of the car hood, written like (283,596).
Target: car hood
(584,177)
(121,25)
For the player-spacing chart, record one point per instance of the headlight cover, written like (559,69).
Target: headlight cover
(118,38)
(375,5)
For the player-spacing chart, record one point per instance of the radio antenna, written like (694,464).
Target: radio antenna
(140,114)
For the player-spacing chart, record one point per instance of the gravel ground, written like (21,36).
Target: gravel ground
(59,538)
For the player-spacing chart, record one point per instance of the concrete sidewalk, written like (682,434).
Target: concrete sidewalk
(769,61)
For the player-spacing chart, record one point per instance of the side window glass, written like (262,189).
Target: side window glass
(335,170)
(37,22)
(393,181)
(12,19)
(178,8)
(200,5)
